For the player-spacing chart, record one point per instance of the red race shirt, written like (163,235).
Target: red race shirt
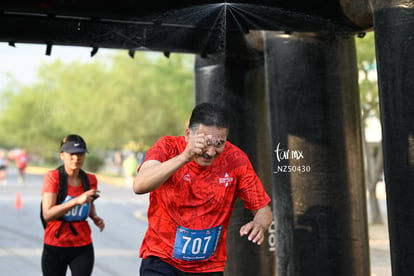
(21,160)
(198,198)
(66,238)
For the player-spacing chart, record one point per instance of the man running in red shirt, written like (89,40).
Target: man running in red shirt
(194,181)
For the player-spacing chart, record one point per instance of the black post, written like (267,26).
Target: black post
(238,82)
(394,32)
(318,184)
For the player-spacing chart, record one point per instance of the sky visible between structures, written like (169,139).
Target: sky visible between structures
(23,60)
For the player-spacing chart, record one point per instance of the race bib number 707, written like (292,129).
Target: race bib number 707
(196,245)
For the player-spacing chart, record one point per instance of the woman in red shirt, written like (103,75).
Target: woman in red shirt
(67,237)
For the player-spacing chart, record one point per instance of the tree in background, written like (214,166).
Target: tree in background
(370,114)
(113,101)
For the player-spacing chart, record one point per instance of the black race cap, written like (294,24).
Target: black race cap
(74,147)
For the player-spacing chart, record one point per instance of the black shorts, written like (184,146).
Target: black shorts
(56,260)
(154,266)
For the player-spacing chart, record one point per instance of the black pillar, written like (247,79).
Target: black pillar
(318,185)
(238,83)
(394,40)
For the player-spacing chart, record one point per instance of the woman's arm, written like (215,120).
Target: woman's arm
(52,211)
(99,222)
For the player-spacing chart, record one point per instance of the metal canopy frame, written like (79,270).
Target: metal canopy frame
(200,27)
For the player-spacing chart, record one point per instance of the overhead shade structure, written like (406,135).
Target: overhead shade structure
(175,26)
(322,211)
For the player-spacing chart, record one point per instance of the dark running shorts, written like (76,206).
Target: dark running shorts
(154,266)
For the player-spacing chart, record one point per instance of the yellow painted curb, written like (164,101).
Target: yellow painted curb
(118,181)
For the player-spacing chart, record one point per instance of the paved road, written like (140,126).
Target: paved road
(21,232)
(116,248)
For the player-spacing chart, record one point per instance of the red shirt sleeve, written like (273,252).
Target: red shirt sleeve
(165,148)
(51,182)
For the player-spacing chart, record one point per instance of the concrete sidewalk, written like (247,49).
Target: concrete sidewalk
(118,181)
(379,250)
(379,239)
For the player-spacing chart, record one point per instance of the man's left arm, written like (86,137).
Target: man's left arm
(256,228)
